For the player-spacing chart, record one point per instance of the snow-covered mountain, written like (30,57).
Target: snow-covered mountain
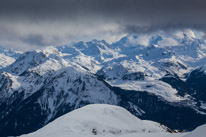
(42,85)
(161,68)
(132,66)
(101,120)
(10,52)
(5,61)
(162,81)
(7,57)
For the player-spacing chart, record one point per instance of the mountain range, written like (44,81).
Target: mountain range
(157,81)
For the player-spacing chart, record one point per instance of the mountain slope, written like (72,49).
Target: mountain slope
(99,120)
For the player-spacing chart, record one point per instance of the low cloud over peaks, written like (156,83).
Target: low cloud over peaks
(33,24)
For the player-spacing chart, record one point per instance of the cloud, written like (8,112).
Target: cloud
(141,39)
(37,23)
(33,35)
(168,42)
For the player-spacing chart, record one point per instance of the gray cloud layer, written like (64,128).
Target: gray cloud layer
(48,22)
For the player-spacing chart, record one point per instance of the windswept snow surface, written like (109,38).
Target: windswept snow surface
(101,120)
(198,132)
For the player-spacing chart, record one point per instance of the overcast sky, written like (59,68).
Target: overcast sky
(30,24)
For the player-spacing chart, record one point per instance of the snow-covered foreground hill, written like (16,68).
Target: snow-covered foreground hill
(102,120)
